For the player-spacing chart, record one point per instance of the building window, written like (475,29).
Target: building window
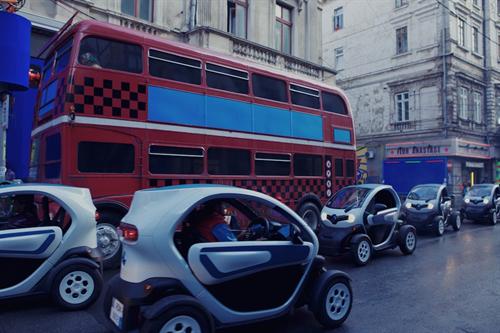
(461,32)
(401,3)
(477,107)
(462,102)
(339,58)
(142,9)
(237,17)
(475,40)
(338,19)
(401,40)
(403,106)
(498,7)
(283,29)
(498,44)
(475,3)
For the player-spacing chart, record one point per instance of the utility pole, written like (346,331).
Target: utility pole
(4,124)
(444,97)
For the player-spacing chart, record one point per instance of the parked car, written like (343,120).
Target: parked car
(430,207)
(363,219)
(48,244)
(482,202)
(172,280)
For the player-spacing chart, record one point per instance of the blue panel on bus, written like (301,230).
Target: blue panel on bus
(269,120)
(174,106)
(307,126)
(186,108)
(228,114)
(341,135)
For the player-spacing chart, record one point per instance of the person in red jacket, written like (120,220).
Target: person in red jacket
(210,223)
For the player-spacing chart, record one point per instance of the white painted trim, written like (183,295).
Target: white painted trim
(84,120)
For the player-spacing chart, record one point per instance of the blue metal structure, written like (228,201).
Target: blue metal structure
(405,173)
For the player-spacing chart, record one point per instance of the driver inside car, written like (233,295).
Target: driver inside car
(210,223)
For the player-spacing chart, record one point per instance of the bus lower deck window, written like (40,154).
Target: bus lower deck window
(175,160)
(228,161)
(105,157)
(339,167)
(307,165)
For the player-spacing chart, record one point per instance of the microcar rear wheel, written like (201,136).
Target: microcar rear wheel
(456,222)
(361,251)
(182,319)
(439,226)
(310,214)
(494,217)
(407,240)
(108,239)
(76,287)
(334,303)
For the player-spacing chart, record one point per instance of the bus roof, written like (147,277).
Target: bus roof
(127,34)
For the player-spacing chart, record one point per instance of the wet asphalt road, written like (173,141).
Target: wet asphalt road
(450,284)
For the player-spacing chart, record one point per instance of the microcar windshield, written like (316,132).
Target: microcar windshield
(480,191)
(348,198)
(426,193)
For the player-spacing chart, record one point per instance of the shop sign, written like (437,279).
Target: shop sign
(474,165)
(416,149)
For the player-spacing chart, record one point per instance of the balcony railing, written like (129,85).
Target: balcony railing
(404,125)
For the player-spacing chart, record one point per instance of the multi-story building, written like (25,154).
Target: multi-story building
(423,78)
(284,34)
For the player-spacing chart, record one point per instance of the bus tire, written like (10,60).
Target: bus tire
(310,214)
(108,240)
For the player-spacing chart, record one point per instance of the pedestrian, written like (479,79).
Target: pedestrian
(9,173)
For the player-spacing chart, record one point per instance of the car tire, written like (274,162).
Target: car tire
(76,287)
(361,250)
(183,318)
(456,221)
(494,217)
(334,302)
(439,226)
(310,214)
(407,240)
(108,240)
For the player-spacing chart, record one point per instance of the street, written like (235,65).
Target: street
(450,284)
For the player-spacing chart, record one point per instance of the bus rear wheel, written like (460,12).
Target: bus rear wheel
(310,214)
(108,239)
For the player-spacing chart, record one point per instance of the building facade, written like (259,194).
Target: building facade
(284,34)
(423,78)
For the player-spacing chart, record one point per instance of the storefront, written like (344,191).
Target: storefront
(453,161)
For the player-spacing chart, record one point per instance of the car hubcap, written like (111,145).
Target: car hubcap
(410,240)
(441,227)
(76,287)
(364,251)
(310,217)
(338,301)
(107,240)
(184,324)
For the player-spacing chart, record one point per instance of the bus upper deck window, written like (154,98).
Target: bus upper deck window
(333,103)
(269,88)
(105,53)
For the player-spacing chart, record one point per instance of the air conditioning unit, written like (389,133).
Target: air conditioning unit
(370,154)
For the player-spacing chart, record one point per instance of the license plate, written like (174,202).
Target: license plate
(116,314)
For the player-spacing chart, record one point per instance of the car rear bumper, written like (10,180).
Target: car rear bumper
(136,298)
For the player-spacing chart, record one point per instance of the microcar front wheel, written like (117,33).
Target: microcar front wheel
(361,251)
(185,319)
(335,303)
(76,287)
(408,240)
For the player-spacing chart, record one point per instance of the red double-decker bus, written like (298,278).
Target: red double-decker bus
(119,111)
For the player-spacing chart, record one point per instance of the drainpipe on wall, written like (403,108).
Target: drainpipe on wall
(445,78)
(192,14)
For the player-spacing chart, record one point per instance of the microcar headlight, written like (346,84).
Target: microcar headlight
(324,216)
(467,200)
(430,206)
(408,205)
(485,201)
(351,218)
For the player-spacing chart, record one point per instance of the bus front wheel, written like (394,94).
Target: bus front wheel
(108,239)
(310,214)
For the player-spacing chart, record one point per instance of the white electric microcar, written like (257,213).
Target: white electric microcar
(171,280)
(48,244)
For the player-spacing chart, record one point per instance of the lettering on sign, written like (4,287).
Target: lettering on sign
(429,149)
